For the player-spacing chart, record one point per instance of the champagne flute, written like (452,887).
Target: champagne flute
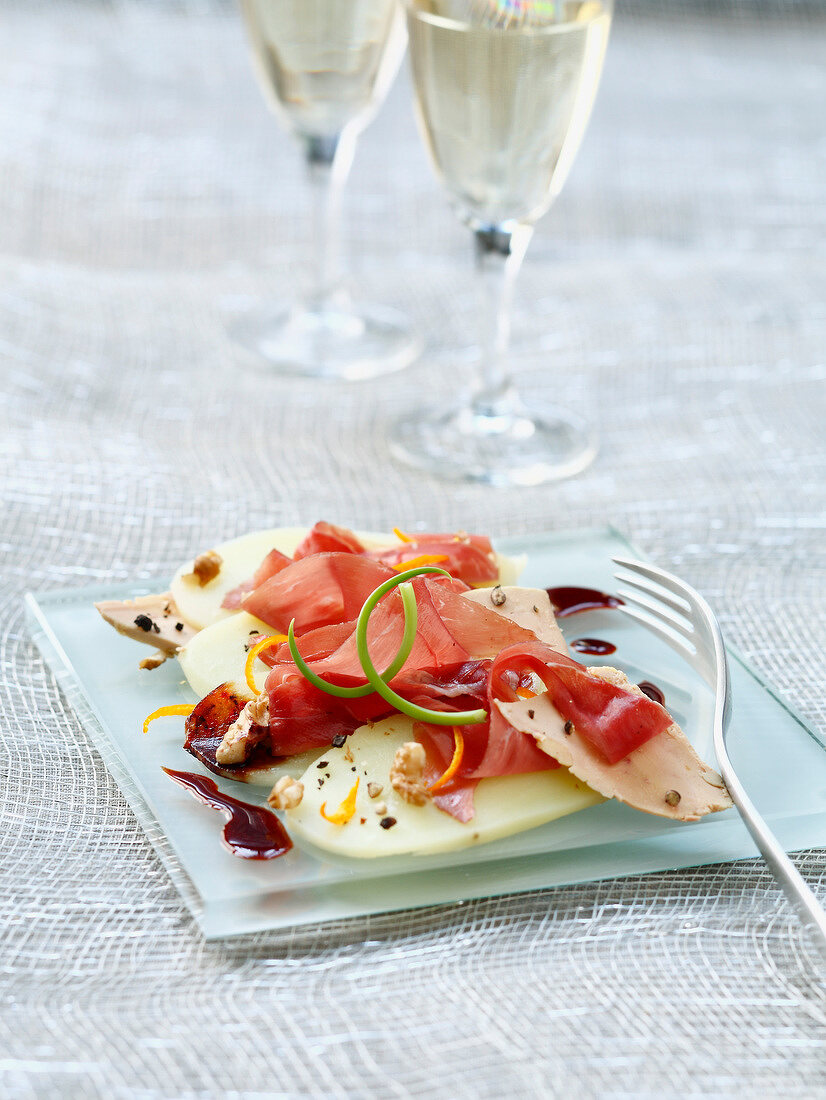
(504,90)
(325,67)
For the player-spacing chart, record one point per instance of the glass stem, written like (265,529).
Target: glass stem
(499,251)
(328,166)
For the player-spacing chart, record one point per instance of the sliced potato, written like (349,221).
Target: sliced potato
(504,805)
(216,655)
(268,775)
(510,569)
(200,604)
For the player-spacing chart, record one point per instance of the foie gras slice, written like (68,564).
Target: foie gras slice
(528,607)
(152,619)
(665,776)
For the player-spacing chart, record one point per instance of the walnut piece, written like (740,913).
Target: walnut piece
(206,567)
(374,789)
(243,735)
(155,661)
(407,773)
(286,794)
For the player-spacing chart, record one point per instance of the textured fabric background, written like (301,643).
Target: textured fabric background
(676,291)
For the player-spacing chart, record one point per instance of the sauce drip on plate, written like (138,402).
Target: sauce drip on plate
(652,691)
(571,600)
(595,646)
(251,832)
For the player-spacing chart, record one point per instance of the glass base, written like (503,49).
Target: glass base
(333,341)
(505,447)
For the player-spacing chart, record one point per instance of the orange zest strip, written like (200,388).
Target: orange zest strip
(345,810)
(401,536)
(168,712)
(265,643)
(455,763)
(423,559)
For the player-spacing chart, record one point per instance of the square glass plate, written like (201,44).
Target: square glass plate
(779,759)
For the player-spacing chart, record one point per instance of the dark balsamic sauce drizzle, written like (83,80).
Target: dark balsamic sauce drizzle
(595,646)
(652,691)
(571,600)
(251,832)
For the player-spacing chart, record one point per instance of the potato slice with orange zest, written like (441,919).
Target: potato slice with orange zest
(259,647)
(345,810)
(387,825)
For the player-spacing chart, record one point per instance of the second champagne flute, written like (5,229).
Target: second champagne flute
(325,67)
(504,90)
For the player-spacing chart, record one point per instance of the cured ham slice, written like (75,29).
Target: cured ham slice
(315,644)
(328,538)
(476,627)
(613,720)
(435,646)
(301,716)
(273,563)
(317,591)
(468,557)
(496,749)
(664,776)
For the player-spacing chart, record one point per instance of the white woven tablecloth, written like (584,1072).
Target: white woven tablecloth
(676,290)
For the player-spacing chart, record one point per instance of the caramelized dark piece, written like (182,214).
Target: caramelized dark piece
(205,729)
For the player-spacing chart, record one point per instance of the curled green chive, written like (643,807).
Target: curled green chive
(408,638)
(412,710)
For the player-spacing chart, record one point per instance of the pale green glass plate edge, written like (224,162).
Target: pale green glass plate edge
(221,918)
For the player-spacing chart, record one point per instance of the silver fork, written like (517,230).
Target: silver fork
(682,618)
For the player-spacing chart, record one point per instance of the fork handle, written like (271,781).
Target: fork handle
(799,893)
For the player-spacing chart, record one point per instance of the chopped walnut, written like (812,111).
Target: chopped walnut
(286,794)
(206,567)
(407,773)
(155,661)
(242,735)
(374,789)
(381,808)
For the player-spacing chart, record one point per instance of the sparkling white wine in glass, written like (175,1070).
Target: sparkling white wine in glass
(324,63)
(504,110)
(325,67)
(504,90)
